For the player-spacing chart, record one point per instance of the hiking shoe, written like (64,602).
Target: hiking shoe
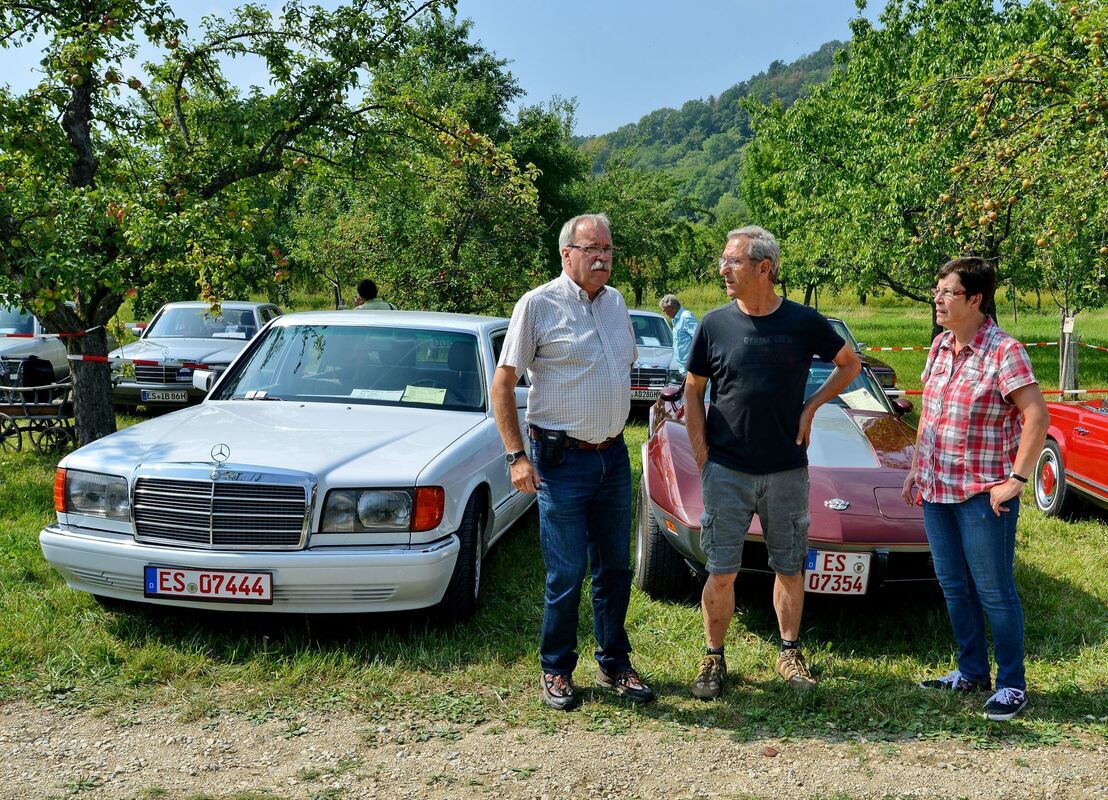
(626,684)
(709,677)
(557,691)
(791,667)
(956,682)
(1005,704)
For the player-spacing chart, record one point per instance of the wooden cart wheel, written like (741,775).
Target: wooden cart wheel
(49,441)
(11,437)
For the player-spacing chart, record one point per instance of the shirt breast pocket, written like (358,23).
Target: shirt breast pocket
(564,345)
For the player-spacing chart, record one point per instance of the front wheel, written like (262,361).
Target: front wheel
(460,600)
(1051,493)
(660,571)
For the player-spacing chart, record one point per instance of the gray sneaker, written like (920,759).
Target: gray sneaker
(791,667)
(709,677)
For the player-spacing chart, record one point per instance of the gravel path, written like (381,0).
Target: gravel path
(47,753)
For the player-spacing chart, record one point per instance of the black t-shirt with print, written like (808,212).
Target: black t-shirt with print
(759,367)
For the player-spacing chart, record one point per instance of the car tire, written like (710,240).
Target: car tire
(1052,495)
(660,571)
(460,600)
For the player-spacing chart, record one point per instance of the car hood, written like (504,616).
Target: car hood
(12,347)
(859,439)
(199,351)
(352,445)
(654,357)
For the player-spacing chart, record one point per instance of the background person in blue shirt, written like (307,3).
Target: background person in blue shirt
(684,326)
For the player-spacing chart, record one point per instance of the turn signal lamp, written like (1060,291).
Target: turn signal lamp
(59,490)
(430,502)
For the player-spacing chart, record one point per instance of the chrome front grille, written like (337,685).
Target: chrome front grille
(221,514)
(648,376)
(161,374)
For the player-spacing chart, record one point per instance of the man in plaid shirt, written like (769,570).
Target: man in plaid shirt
(982,425)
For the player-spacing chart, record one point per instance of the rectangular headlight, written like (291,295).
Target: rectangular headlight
(366,510)
(97,495)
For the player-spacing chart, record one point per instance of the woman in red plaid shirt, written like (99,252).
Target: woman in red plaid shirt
(982,425)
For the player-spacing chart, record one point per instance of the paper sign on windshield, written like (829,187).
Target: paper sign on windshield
(862,400)
(424,394)
(651,341)
(378,394)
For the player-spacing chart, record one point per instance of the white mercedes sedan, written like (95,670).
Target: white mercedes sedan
(343,463)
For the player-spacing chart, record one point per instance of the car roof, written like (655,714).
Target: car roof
(639,312)
(236,304)
(439,320)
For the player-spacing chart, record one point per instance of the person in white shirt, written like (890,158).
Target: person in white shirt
(573,336)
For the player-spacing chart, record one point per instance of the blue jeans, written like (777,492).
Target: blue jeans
(585,518)
(974,552)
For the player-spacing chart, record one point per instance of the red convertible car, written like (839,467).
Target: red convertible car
(1075,457)
(862,534)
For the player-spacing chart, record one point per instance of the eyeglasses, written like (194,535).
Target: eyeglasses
(728,263)
(593,250)
(946,294)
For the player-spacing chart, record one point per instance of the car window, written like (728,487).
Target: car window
(364,365)
(16,320)
(843,331)
(862,394)
(497,340)
(651,331)
(270,312)
(194,322)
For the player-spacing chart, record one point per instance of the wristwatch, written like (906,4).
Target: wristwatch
(1017,476)
(512,458)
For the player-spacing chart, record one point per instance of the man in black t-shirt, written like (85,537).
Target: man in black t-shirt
(751,445)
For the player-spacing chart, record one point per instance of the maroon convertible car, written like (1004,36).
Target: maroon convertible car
(862,534)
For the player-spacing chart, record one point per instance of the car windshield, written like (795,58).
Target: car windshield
(651,331)
(363,365)
(15,320)
(862,394)
(844,332)
(193,322)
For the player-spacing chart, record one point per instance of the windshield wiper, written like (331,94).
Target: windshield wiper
(258,394)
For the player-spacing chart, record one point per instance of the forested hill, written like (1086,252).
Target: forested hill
(699,143)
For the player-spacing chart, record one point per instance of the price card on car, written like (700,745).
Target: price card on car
(830,572)
(208,584)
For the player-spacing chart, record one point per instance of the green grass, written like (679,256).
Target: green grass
(414,679)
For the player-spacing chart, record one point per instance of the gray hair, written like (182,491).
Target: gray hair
(761,244)
(669,301)
(568,235)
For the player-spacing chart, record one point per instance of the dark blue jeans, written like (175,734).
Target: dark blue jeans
(974,552)
(585,519)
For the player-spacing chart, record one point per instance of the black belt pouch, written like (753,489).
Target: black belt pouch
(552,448)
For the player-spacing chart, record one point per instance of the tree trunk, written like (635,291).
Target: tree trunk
(809,291)
(862,297)
(638,295)
(92,388)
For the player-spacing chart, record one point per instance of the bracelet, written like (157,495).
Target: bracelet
(1017,476)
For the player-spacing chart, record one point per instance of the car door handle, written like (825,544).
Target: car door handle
(1080,431)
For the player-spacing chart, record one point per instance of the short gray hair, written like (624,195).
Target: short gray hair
(569,230)
(669,301)
(761,244)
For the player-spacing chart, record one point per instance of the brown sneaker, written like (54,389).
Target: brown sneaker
(791,667)
(709,677)
(626,684)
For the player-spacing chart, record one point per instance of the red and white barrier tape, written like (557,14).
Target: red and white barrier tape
(928,347)
(1093,346)
(902,392)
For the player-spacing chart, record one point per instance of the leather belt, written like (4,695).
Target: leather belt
(580,444)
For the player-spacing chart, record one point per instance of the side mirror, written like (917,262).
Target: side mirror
(522,393)
(136,330)
(861,346)
(902,406)
(203,379)
(671,394)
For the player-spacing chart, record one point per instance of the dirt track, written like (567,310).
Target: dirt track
(46,753)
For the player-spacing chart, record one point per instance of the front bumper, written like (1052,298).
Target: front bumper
(323,580)
(131,393)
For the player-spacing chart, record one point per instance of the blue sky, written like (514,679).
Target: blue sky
(620,59)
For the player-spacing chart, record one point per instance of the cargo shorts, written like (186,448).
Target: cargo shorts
(732,498)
